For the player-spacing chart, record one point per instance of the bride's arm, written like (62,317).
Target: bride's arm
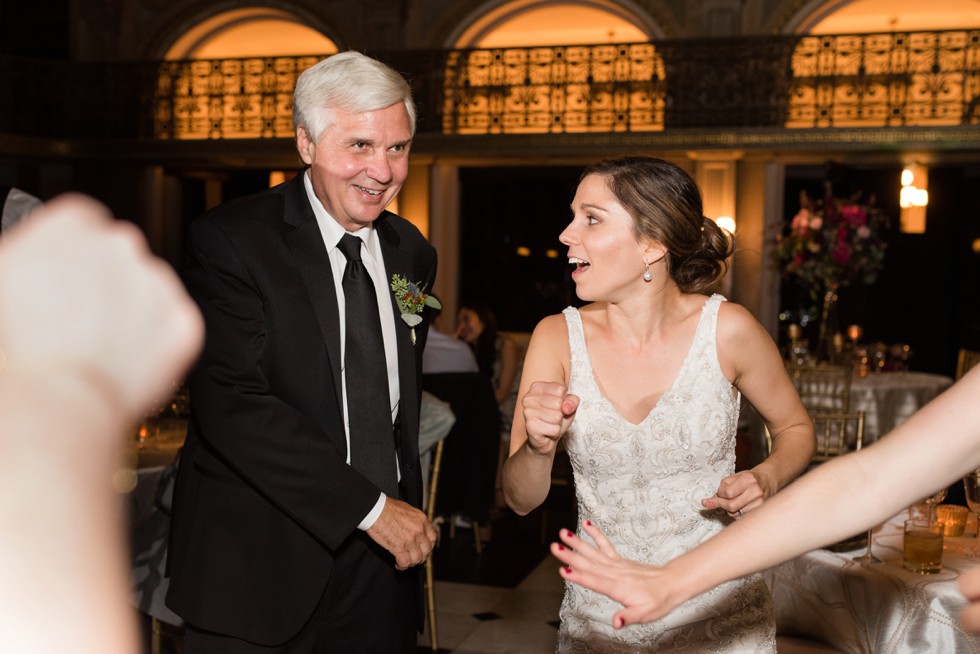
(749,358)
(543,413)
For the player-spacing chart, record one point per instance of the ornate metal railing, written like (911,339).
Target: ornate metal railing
(600,88)
(227,98)
(900,79)
(859,80)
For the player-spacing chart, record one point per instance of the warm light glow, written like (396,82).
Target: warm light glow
(914,181)
(250,32)
(727,223)
(864,16)
(528,24)
(551,254)
(523,251)
(276,177)
(913,199)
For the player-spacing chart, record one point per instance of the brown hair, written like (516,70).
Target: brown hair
(665,204)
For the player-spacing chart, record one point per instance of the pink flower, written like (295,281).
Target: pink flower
(853,215)
(842,253)
(800,221)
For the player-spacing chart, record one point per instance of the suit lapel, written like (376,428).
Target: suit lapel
(307,245)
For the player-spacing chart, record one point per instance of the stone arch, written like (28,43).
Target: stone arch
(253,55)
(478,24)
(187,32)
(232,34)
(868,16)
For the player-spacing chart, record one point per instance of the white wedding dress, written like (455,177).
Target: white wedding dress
(642,485)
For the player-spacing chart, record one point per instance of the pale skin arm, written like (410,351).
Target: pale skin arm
(93,329)
(543,415)
(750,358)
(849,494)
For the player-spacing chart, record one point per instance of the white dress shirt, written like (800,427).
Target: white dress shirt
(374,263)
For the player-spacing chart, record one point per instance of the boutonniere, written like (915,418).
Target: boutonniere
(411,299)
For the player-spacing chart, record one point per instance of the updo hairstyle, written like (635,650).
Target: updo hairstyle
(665,204)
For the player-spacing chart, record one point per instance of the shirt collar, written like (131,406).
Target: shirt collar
(329,227)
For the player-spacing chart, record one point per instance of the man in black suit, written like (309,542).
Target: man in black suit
(296,520)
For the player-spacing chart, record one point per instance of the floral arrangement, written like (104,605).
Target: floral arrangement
(411,299)
(832,242)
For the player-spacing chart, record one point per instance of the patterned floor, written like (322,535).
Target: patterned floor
(505,599)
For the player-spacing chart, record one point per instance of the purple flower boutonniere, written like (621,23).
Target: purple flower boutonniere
(411,299)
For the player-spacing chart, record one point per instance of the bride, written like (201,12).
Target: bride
(642,387)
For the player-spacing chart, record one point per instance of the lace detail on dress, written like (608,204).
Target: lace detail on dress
(642,485)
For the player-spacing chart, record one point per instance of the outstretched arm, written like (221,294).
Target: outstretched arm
(93,329)
(850,493)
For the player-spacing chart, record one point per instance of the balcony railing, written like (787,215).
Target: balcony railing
(860,80)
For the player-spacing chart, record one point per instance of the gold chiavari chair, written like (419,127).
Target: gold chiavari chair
(823,387)
(430,510)
(837,434)
(966,360)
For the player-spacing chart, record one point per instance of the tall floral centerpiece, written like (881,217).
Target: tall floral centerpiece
(832,243)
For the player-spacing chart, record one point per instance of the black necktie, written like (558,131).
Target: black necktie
(372,443)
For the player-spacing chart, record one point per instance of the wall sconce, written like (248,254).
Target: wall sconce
(914,198)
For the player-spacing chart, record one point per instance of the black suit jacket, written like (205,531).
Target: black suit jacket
(264,495)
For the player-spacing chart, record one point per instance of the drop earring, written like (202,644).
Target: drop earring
(647,275)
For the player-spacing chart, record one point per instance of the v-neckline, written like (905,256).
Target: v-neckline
(656,405)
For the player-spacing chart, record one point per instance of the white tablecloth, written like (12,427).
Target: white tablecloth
(876,609)
(889,398)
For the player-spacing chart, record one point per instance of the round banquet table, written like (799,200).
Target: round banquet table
(889,398)
(875,609)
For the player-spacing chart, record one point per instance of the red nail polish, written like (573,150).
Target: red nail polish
(588,522)
(568,570)
(561,548)
(619,623)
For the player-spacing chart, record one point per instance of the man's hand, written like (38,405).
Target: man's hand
(404,531)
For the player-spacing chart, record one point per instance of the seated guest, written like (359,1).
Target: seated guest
(850,493)
(445,353)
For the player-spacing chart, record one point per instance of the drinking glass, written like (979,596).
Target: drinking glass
(933,500)
(868,557)
(971,488)
(922,549)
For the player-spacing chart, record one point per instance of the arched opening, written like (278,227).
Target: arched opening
(877,63)
(524,24)
(870,16)
(232,75)
(250,32)
(532,66)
